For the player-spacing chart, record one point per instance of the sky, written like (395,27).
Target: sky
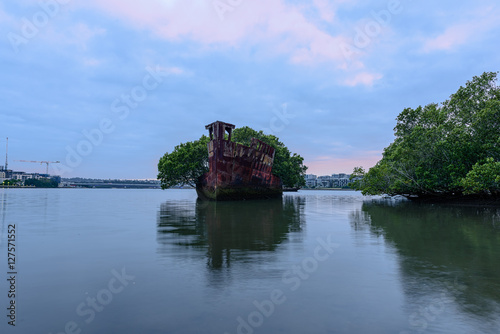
(106,87)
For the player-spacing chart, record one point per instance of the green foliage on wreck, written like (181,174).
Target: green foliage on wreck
(287,165)
(188,161)
(185,164)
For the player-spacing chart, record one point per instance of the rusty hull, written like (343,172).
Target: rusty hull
(237,172)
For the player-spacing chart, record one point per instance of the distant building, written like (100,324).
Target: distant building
(5,173)
(324,181)
(23,176)
(310,180)
(341,183)
(340,180)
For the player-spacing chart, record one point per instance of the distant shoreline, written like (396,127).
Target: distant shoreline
(139,187)
(30,187)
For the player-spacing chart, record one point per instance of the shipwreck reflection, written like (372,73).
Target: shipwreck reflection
(450,253)
(228,231)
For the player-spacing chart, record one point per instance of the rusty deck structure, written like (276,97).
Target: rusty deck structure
(237,172)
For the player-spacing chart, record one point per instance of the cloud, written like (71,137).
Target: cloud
(173,70)
(453,36)
(91,62)
(458,34)
(81,34)
(325,9)
(364,78)
(6,19)
(274,24)
(78,34)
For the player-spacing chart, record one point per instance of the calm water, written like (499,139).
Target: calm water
(151,261)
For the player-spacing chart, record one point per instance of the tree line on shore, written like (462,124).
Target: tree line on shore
(451,149)
(37,183)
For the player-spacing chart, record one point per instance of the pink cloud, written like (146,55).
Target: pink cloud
(484,19)
(278,26)
(363,78)
(453,36)
(325,9)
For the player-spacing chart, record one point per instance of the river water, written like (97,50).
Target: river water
(152,261)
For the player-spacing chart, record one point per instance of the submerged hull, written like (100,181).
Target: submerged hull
(237,172)
(231,193)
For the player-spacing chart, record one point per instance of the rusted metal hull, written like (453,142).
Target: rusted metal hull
(229,193)
(238,172)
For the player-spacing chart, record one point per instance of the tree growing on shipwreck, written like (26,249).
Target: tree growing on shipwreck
(188,162)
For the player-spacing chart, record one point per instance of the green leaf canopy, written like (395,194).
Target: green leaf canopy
(188,161)
(443,149)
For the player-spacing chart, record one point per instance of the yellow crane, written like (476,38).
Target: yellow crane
(42,162)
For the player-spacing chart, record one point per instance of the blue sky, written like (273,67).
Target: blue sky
(108,86)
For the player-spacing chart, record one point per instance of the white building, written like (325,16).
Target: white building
(340,180)
(310,180)
(324,181)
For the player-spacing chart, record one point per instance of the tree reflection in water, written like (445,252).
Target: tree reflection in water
(443,251)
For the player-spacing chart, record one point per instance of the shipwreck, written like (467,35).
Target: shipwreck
(237,172)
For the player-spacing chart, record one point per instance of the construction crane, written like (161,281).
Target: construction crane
(42,162)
